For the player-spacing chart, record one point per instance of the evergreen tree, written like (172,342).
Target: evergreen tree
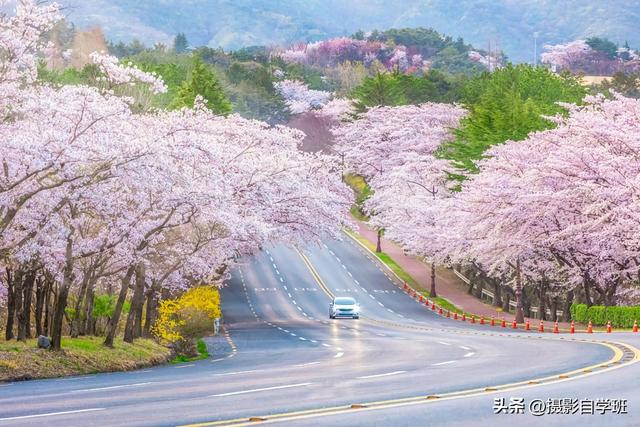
(383,89)
(505,105)
(203,82)
(180,43)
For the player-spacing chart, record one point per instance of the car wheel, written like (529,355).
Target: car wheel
(356,317)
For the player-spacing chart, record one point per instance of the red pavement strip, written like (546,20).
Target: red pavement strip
(458,297)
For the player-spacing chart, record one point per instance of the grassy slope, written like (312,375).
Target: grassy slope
(84,355)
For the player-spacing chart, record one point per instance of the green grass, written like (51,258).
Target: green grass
(82,355)
(203,353)
(362,192)
(403,275)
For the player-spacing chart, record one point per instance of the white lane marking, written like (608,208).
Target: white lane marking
(255,390)
(184,366)
(271,258)
(338,259)
(444,363)
(285,331)
(380,304)
(390,311)
(357,283)
(277,272)
(349,273)
(113,387)
(344,266)
(443,343)
(292,334)
(326,345)
(372,297)
(51,414)
(331,252)
(280,328)
(289,295)
(294,301)
(285,287)
(464,348)
(315,342)
(274,266)
(340,354)
(471,353)
(387,374)
(267,251)
(282,280)
(381,335)
(299,308)
(307,364)
(364,290)
(302,339)
(237,372)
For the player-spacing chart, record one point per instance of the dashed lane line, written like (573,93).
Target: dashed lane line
(386,374)
(448,362)
(255,390)
(52,414)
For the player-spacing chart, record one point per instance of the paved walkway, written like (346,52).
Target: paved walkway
(448,285)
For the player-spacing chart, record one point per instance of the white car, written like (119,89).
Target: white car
(344,307)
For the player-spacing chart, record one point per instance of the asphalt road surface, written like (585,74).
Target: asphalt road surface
(283,361)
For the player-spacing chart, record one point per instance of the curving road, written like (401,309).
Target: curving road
(283,361)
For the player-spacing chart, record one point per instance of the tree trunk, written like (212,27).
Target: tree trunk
(40,291)
(566,310)
(433,292)
(497,294)
(47,307)
(77,317)
(63,294)
(18,295)
(152,312)
(122,296)
(24,318)
(379,241)
(137,301)
(58,317)
(519,310)
(11,305)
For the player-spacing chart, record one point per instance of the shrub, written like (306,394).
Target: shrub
(619,316)
(182,320)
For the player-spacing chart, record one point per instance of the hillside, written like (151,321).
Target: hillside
(236,23)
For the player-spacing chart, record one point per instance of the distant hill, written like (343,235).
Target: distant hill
(237,23)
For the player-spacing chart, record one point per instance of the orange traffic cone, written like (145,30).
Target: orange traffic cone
(493,321)
(482,320)
(527,325)
(473,319)
(609,326)
(421,298)
(555,328)
(635,326)
(455,315)
(541,326)
(440,311)
(449,313)
(405,286)
(504,323)
(514,325)
(464,317)
(589,328)
(573,327)
(433,306)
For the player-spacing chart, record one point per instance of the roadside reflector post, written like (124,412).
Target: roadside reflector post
(573,327)
(590,327)
(609,326)
(541,326)
(556,330)
(527,325)
(635,326)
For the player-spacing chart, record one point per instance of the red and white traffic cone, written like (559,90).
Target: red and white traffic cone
(482,320)
(421,299)
(635,326)
(514,324)
(527,325)
(493,321)
(541,326)
(590,328)
(449,313)
(464,317)
(473,319)
(573,327)
(609,326)
(556,330)
(440,311)
(504,323)
(433,306)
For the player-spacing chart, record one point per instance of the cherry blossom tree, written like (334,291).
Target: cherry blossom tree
(299,97)
(568,55)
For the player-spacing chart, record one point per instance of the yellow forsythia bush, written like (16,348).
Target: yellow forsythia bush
(191,314)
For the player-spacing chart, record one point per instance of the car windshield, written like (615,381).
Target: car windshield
(344,301)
